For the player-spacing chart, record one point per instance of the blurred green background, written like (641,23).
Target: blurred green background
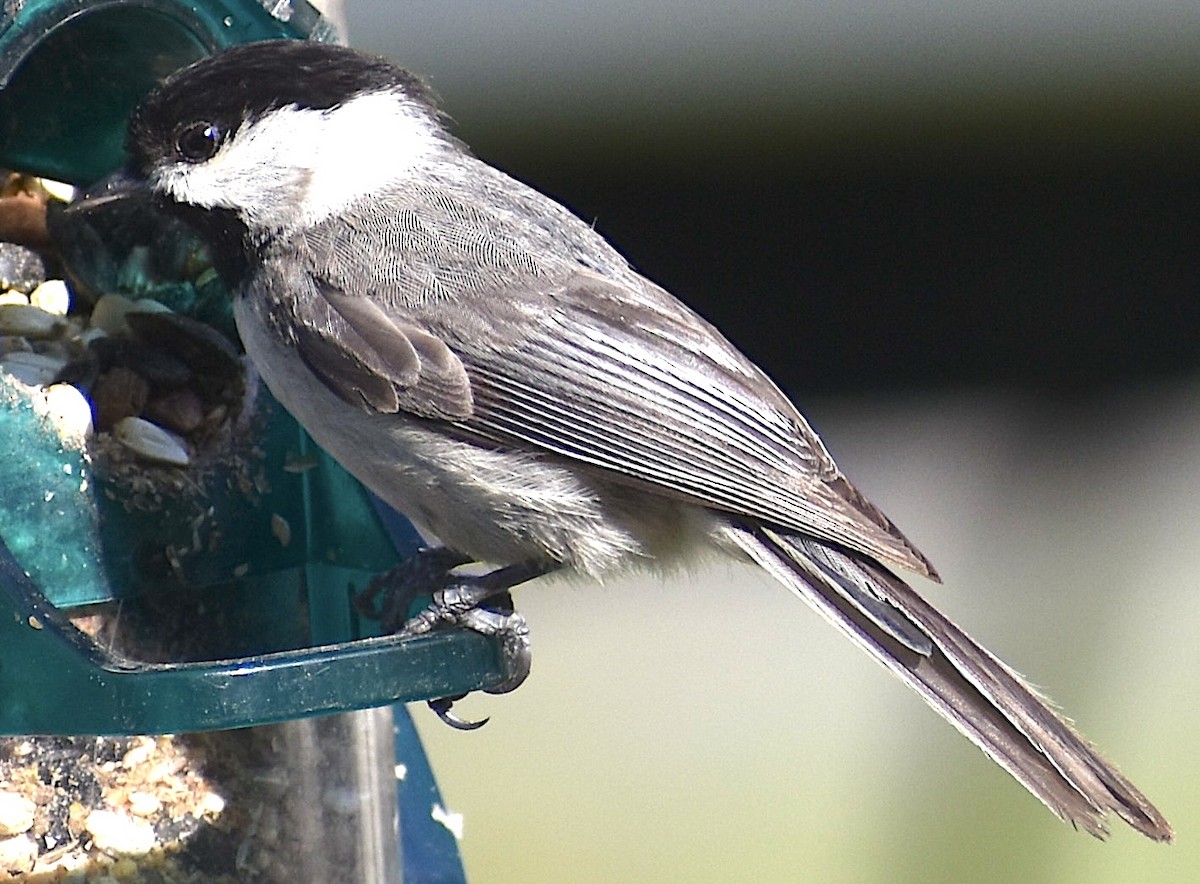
(963,236)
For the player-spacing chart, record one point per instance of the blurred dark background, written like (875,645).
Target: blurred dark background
(1041,276)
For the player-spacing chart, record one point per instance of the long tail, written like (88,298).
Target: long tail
(988,702)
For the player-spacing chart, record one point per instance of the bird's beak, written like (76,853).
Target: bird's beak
(121,186)
(116,236)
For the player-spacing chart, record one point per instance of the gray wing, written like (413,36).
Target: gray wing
(585,360)
(636,385)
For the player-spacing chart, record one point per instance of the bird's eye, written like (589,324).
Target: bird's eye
(198,142)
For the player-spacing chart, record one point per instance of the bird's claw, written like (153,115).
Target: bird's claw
(441,708)
(480,603)
(516,649)
(513,632)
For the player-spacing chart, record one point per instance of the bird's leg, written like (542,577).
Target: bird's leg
(423,573)
(463,593)
(479,602)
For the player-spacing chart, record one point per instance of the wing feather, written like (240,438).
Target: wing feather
(625,381)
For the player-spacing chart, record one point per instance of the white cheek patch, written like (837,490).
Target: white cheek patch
(300,166)
(369,142)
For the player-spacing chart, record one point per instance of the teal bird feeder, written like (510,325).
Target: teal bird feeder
(258,558)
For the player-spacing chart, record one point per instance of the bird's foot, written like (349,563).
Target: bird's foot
(515,646)
(481,603)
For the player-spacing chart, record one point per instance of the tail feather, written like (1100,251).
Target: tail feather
(977,693)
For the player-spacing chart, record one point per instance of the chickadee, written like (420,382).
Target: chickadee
(490,366)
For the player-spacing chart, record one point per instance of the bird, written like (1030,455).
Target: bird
(492,367)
